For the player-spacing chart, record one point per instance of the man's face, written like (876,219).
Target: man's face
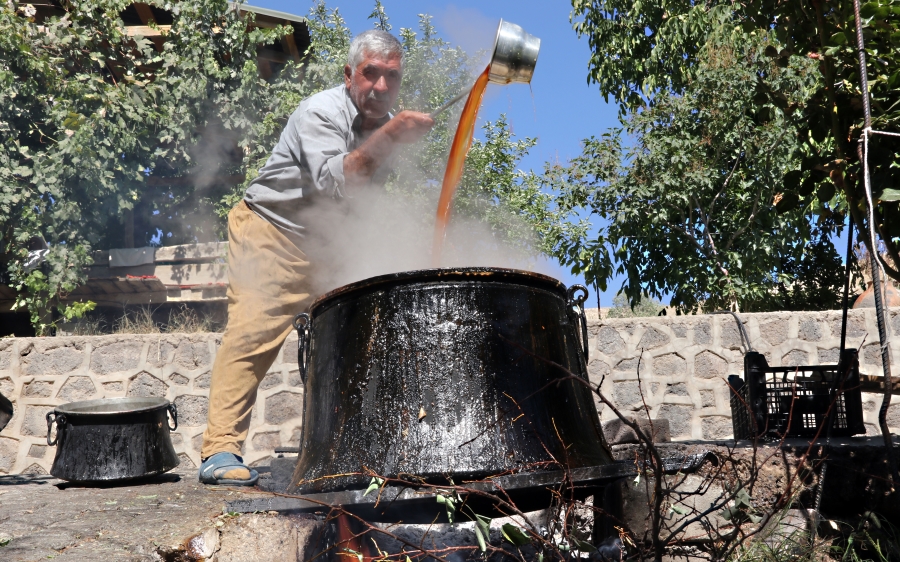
(374,85)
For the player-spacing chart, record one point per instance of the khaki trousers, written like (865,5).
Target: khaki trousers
(267,287)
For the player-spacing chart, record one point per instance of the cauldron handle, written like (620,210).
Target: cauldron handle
(60,420)
(301,324)
(173,411)
(576,306)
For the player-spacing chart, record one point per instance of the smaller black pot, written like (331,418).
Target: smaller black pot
(112,439)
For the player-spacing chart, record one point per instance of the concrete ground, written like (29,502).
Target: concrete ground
(44,518)
(175,519)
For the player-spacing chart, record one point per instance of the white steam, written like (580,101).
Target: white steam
(376,233)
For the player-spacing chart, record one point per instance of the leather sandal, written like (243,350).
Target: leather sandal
(215,469)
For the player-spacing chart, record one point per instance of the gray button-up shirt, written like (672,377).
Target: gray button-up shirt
(308,160)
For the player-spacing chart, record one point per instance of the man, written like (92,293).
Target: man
(336,140)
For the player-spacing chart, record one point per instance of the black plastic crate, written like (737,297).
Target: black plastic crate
(795,400)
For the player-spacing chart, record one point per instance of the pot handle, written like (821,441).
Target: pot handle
(60,420)
(173,411)
(576,307)
(302,324)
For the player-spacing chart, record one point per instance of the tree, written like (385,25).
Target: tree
(703,206)
(84,155)
(643,52)
(647,306)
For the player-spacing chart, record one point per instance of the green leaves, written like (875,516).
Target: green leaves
(374,485)
(741,509)
(514,535)
(644,53)
(581,545)
(449,500)
(482,531)
(888,194)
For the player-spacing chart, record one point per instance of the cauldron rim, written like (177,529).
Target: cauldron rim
(111,406)
(530,278)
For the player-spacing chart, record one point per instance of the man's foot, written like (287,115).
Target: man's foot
(227,469)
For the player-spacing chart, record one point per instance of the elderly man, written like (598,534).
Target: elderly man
(336,140)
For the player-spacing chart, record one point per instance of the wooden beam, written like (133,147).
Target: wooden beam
(875,385)
(144,12)
(181,275)
(191,252)
(291,46)
(270,55)
(265,68)
(147,31)
(182,181)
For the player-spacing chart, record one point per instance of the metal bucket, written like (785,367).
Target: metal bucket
(514,56)
(112,439)
(443,373)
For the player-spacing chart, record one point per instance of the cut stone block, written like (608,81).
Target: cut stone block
(254,537)
(283,406)
(56,361)
(144,384)
(192,410)
(77,388)
(708,365)
(679,418)
(794,358)
(116,357)
(653,338)
(669,364)
(8,451)
(687,496)
(810,329)
(37,389)
(609,341)
(192,355)
(618,433)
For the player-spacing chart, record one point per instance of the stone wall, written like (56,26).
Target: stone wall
(40,373)
(682,360)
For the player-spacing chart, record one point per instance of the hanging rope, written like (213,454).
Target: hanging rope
(878,273)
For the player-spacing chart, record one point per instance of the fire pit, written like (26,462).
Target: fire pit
(445,373)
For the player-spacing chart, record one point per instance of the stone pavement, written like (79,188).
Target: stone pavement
(43,518)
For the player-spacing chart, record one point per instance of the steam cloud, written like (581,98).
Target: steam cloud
(375,233)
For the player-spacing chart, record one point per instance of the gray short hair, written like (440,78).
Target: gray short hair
(374,42)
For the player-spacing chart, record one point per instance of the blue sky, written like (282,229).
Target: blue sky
(559,109)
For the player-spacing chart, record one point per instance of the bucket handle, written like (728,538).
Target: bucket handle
(173,411)
(576,307)
(60,420)
(302,324)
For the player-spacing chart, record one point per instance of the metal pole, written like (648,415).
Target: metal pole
(847,281)
(873,254)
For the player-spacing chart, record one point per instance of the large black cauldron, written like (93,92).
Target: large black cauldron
(441,373)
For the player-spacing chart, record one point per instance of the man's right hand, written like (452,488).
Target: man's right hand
(408,126)
(405,127)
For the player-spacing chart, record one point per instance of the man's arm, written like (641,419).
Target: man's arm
(406,127)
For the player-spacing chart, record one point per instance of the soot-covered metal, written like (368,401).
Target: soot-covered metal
(112,439)
(440,373)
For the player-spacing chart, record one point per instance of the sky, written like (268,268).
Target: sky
(559,109)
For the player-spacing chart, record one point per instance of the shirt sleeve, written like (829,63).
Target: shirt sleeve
(321,145)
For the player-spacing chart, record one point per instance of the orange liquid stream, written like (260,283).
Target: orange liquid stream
(346,539)
(462,141)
